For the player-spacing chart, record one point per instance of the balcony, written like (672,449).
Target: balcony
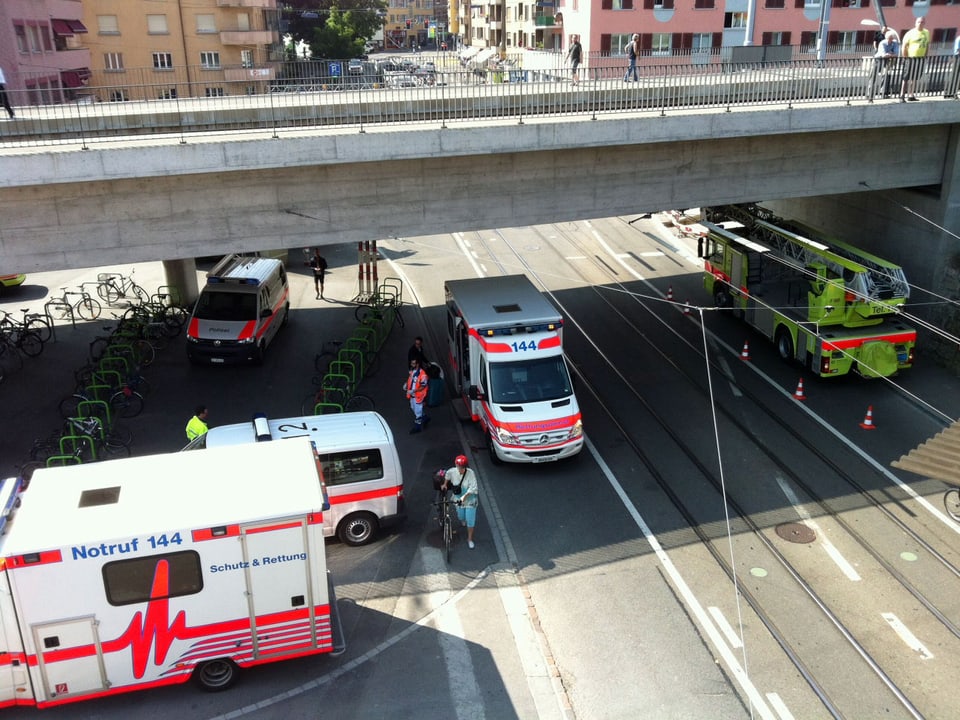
(249,37)
(545,21)
(248,3)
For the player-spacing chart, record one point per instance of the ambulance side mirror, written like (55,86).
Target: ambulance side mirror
(473,392)
(266,312)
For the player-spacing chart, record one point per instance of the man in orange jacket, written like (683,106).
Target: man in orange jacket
(416,390)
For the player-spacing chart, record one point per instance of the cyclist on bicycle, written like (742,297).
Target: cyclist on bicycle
(462,480)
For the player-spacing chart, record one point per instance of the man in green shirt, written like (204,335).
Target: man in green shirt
(913,48)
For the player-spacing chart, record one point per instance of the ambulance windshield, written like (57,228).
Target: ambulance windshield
(529,380)
(226,306)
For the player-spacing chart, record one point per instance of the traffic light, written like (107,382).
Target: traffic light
(408,24)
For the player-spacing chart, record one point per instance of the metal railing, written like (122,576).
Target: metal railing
(309,96)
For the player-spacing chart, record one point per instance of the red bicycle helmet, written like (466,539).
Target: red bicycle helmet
(461,461)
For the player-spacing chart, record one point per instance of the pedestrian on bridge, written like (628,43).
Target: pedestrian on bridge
(3,93)
(575,56)
(633,50)
(913,48)
(953,84)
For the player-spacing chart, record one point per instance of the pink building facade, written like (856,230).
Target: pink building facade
(40,50)
(690,27)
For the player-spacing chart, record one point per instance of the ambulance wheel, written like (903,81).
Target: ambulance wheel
(784,344)
(216,675)
(357,529)
(286,316)
(258,354)
(494,458)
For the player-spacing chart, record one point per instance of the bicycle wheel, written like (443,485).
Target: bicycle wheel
(111,447)
(126,403)
(447,535)
(359,403)
(108,292)
(119,435)
(98,347)
(139,292)
(88,308)
(145,352)
(41,327)
(68,406)
(951,501)
(30,343)
(365,314)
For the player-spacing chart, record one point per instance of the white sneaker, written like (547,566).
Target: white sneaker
(471,545)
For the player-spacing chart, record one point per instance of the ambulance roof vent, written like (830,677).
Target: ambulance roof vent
(99,496)
(512,308)
(261,428)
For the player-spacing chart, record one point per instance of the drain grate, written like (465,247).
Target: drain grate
(796,533)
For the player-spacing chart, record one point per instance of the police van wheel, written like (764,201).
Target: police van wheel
(357,529)
(216,675)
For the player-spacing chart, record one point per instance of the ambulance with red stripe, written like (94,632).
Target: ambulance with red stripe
(506,357)
(359,466)
(239,312)
(152,571)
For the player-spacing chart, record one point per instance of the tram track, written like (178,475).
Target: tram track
(731,420)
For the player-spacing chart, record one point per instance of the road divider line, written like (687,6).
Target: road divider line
(908,637)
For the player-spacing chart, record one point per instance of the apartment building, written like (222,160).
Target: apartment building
(41,52)
(161,49)
(681,28)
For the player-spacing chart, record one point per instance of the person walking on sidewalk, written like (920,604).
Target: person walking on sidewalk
(197,425)
(575,56)
(319,265)
(462,481)
(633,50)
(416,389)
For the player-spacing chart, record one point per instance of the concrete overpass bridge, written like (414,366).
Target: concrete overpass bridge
(870,170)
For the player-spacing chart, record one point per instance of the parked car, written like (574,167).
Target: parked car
(355,66)
(9,281)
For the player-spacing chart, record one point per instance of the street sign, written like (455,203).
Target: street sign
(335,69)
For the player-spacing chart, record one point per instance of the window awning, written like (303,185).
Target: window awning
(67,27)
(937,458)
(75,78)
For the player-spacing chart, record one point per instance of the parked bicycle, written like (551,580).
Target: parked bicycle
(113,287)
(85,307)
(125,400)
(15,336)
(81,440)
(33,322)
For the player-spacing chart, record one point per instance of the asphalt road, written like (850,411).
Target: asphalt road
(589,594)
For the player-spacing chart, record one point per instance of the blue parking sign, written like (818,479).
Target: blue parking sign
(335,69)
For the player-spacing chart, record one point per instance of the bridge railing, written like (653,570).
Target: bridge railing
(450,93)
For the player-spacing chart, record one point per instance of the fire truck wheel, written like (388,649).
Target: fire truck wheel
(784,344)
(357,529)
(721,298)
(216,675)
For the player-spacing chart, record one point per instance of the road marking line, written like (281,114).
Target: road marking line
(780,706)
(908,637)
(694,606)
(845,567)
(725,627)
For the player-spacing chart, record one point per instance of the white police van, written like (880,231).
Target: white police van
(240,310)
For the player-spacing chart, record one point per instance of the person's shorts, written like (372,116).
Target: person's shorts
(467,515)
(914,68)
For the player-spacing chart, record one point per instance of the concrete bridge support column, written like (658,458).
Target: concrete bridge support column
(181,278)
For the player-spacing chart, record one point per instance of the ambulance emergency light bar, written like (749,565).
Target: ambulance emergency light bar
(214,279)
(516,330)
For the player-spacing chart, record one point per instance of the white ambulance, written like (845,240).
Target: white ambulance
(239,312)
(150,571)
(506,356)
(358,463)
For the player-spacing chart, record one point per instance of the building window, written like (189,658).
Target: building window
(21,33)
(168,94)
(206,24)
(118,96)
(108,25)
(701,42)
(113,62)
(619,43)
(213,91)
(811,3)
(246,58)
(847,41)
(661,43)
(210,60)
(157,25)
(735,20)
(704,4)
(774,4)
(36,44)
(162,61)
(45,37)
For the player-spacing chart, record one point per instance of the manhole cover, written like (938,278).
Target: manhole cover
(796,533)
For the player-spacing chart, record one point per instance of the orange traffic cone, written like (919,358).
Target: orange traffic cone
(670,293)
(798,393)
(867,423)
(745,353)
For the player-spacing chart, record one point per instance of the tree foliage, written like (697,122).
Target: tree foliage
(333,28)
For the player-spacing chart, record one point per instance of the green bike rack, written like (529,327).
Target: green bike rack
(356,353)
(346,366)
(74,446)
(98,391)
(63,460)
(320,407)
(96,408)
(111,378)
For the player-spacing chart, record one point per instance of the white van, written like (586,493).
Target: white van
(240,310)
(358,464)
